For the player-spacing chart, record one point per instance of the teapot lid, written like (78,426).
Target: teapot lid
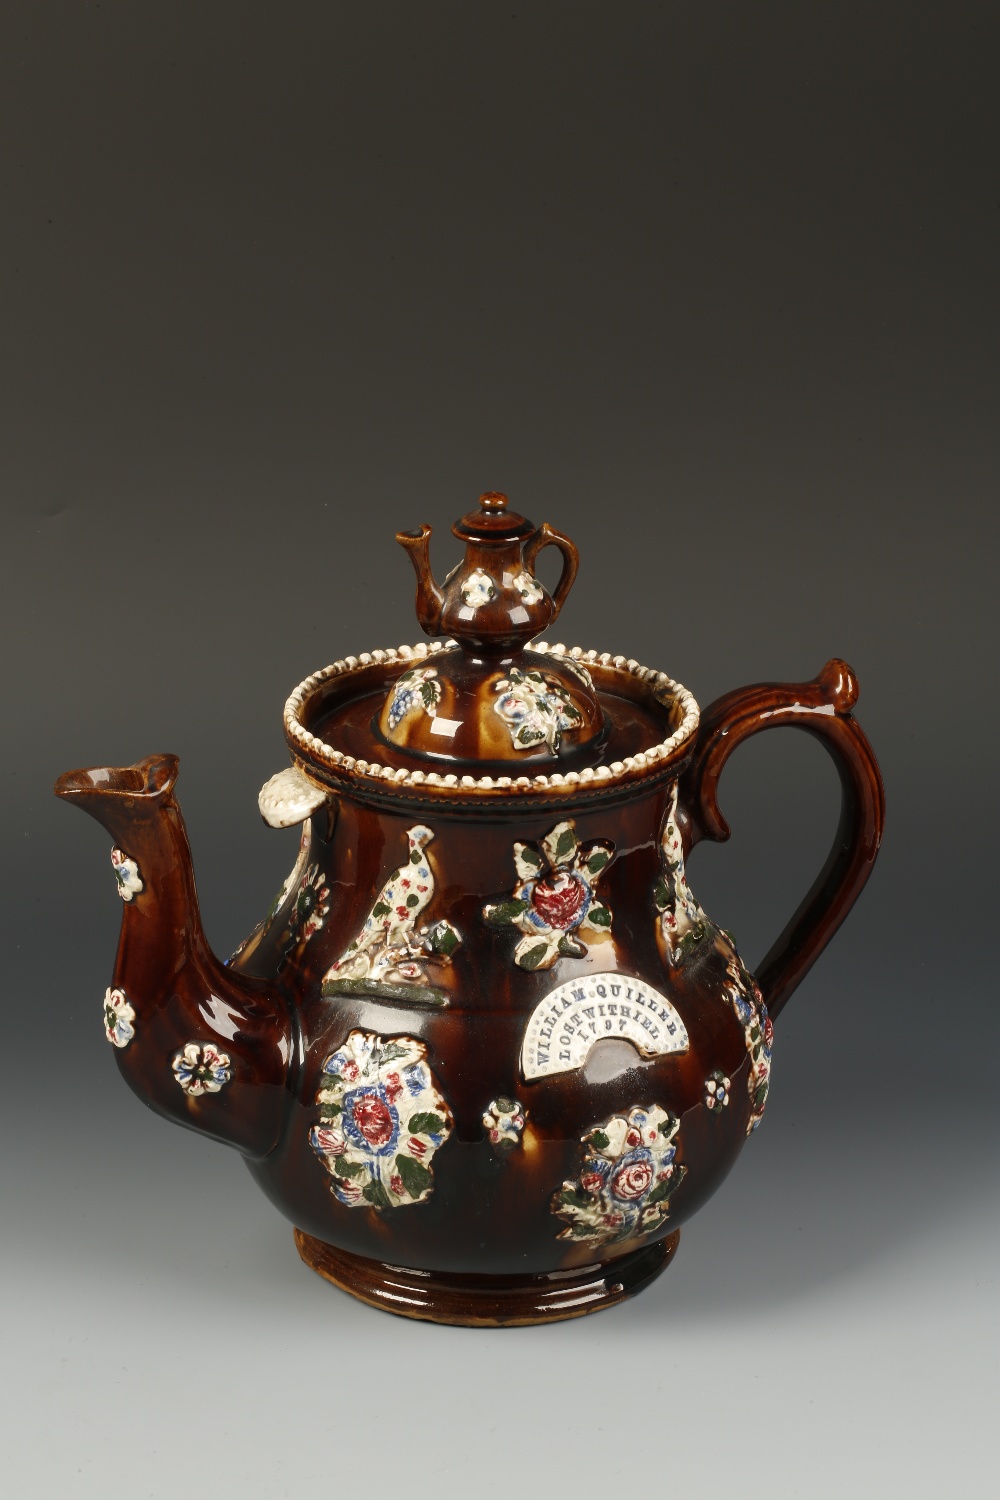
(487,699)
(486,705)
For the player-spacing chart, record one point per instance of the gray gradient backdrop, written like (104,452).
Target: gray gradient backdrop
(712,287)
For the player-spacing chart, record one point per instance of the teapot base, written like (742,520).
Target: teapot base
(472,1301)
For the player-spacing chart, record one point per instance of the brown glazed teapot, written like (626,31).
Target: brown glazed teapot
(486,1050)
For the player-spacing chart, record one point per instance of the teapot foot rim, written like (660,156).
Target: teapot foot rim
(472,1301)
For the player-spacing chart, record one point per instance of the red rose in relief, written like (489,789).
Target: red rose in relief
(592,1182)
(558,900)
(768,1032)
(373,1118)
(393,1087)
(632,1179)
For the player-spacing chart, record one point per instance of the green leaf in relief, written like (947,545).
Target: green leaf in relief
(416,1179)
(346,1168)
(528,736)
(570,947)
(391,1051)
(381,909)
(576,1198)
(597,861)
(412,901)
(502,913)
(376,1194)
(428,695)
(426,1123)
(530,856)
(599,1139)
(444,939)
(599,916)
(661,896)
(661,1191)
(534,956)
(415,857)
(567,843)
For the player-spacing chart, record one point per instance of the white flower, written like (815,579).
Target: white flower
(118,1018)
(717,1087)
(528,587)
(201,1069)
(478,589)
(127,874)
(504,1121)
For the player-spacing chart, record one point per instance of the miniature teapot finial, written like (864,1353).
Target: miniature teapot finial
(492,603)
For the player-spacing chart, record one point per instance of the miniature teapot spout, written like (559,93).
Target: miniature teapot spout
(201,1044)
(430,598)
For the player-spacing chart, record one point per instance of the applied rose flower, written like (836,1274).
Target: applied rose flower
(768,1031)
(632,1179)
(592,1182)
(558,899)
(373,1118)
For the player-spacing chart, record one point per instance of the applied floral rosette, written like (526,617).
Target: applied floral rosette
(382,1119)
(536,709)
(119,1018)
(628,1175)
(717,1087)
(200,1068)
(504,1121)
(555,898)
(127,875)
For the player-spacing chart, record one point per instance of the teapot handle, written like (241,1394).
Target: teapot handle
(548,536)
(822,708)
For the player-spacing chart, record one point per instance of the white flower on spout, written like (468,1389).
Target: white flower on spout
(201,1069)
(127,874)
(119,1017)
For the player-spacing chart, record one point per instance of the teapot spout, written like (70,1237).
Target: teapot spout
(430,599)
(199,1043)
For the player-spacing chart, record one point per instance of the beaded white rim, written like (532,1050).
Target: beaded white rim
(618,771)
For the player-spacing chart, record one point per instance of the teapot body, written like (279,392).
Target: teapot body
(486,1051)
(566,1083)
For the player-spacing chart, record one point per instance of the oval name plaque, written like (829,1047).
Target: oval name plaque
(565,1025)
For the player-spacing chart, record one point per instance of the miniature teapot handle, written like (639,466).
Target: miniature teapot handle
(548,536)
(822,708)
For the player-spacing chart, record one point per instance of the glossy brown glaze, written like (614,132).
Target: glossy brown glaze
(581,1053)
(488,1301)
(169,973)
(822,708)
